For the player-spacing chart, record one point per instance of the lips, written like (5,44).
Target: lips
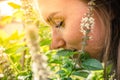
(72,49)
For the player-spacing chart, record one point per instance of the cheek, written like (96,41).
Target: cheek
(96,43)
(72,34)
(97,34)
(97,39)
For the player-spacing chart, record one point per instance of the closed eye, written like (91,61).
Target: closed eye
(59,24)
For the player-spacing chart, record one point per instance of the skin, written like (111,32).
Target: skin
(68,35)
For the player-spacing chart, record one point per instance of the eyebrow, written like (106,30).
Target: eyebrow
(51,15)
(49,18)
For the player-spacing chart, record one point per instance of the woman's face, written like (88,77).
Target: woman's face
(64,17)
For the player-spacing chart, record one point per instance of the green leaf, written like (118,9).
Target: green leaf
(18,15)
(14,5)
(45,42)
(62,73)
(67,65)
(109,68)
(3,34)
(15,36)
(15,49)
(65,53)
(55,61)
(81,74)
(84,56)
(5,20)
(92,64)
(67,78)
(21,49)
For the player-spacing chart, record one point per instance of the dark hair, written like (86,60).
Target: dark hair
(109,10)
(115,36)
(112,8)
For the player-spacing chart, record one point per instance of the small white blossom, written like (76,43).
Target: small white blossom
(85,19)
(87,25)
(87,22)
(91,19)
(82,24)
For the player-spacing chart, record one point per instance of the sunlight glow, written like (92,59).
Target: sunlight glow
(5,9)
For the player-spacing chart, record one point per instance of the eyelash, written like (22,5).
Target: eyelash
(57,24)
(60,24)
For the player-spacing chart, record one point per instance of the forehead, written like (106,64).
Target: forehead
(48,7)
(55,2)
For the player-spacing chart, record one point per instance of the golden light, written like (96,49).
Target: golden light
(5,9)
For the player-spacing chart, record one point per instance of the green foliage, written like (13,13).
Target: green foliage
(81,73)
(67,66)
(7,70)
(5,20)
(12,64)
(98,75)
(66,53)
(92,64)
(44,33)
(17,15)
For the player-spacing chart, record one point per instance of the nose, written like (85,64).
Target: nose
(57,42)
(57,45)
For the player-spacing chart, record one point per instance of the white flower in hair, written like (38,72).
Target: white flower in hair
(88,21)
